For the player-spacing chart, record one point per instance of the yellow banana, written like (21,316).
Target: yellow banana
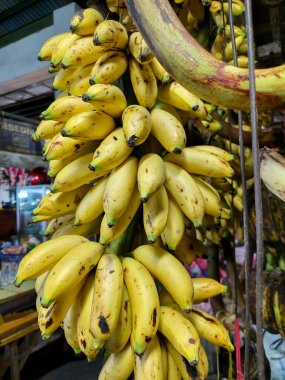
(45,256)
(229,47)
(172,369)
(64,78)
(111,34)
(165,298)
(86,229)
(143,82)
(85,337)
(119,189)
(70,326)
(180,332)
(122,332)
(62,47)
(75,174)
(64,108)
(238,8)
(237,31)
(198,161)
(109,67)
(56,223)
(176,95)
(55,166)
(107,298)
(242,61)
(169,271)
(205,288)
(48,46)
(238,203)
(112,151)
(169,108)
(155,212)
(144,303)
(118,366)
(85,21)
(277,308)
(243,49)
(139,49)
(40,280)
(92,125)
(108,234)
(218,46)
(186,370)
(189,248)
(161,74)
(106,98)
(168,130)
(47,129)
(184,190)
(46,146)
(164,359)
(211,197)
(151,175)
(91,206)
(80,82)
(203,365)
(224,154)
(136,125)
(69,270)
(175,226)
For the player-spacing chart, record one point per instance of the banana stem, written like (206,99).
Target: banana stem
(198,70)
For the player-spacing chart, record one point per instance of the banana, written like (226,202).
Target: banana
(49,319)
(215,150)
(144,303)
(121,334)
(172,369)
(165,298)
(108,234)
(205,288)
(91,205)
(169,271)
(64,78)
(243,49)
(118,366)
(211,197)
(63,147)
(61,48)
(278,307)
(242,61)
(184,190)
(151,175)
(218,46)
(111,34)
(139,49)
(109,67)
(171,109)
(149,366)
(85,21)
(228,54)
(85,337)
(180,332)
(198,161)
(119,189)
(53,70)
(40,280)
(47,129)
(112,151)
(64,108)
(70,326)
(82,52)
(47,48)
(189,248)
(164,360)
(80,83)
(92,125)
(174,229)
(168,130)
(45,256)
(107,298)
(106,98)
(75,174)
(69,270)
(136,125)
(155,212)
(210,329)
(178,96)
(143,82)
(238,203)
(272,169)
(237,8)
(60,203)
(161,74)
(87,229)
(55,166)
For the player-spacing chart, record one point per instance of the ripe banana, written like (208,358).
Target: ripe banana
(168,130)
(211,197)
(61,48)
(80,82)
(45,256)
(278,307)
(69,270)
(169,271)
(40,280)
(47,48)
(172,369)
(109,67)
(107,298)
(198,161)
(242,61)
(86,229)
(119,189)
(155,212)
(70,326)
(175,226)
(139,49)
(47,129)
(144,303)
(106,98)
(85,21)
(161,74)
(189,248)
(184,190)
(205,288)
(224,154)
(92,125)
(136,125)
(151,175)
(55,166)
(64,78)
(164,360)
(111,34)
(143,82)
(64,108)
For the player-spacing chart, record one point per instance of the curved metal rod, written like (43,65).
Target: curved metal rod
(198,70)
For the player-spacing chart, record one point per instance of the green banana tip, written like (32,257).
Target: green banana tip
(53,189)
(91,167)
(18,282)
(225,288)
(35,137)
(46,302)
(45,336)
(39,57)
(139,349)
(85,98)
(144,199)
(97,345)
(77,351)
(64,65)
